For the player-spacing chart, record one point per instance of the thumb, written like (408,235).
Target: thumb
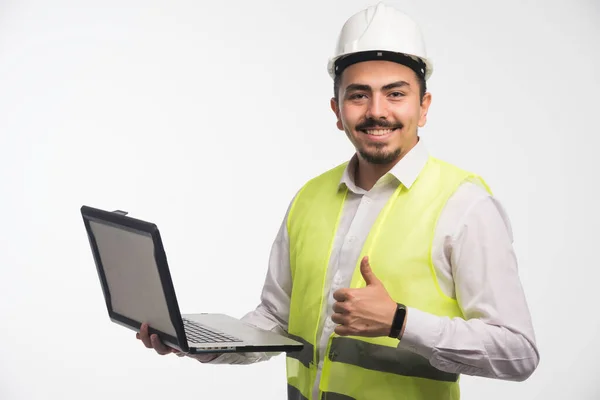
(367,272)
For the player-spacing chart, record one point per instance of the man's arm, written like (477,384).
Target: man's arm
(496,339)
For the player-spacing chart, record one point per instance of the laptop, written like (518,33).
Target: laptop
(137,286)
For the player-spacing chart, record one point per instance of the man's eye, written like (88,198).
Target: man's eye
(397,94)
(357,96)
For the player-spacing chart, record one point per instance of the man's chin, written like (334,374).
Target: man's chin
(379,158)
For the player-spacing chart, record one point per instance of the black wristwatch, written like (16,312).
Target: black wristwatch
(398,321)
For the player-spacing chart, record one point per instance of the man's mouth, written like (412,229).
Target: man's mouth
(378,132)
(379,135)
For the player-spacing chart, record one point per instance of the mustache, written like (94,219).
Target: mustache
(372,124)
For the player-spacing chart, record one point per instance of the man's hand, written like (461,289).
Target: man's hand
(154,342)
(368,311)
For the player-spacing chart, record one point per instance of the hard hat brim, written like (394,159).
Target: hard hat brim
(422,66)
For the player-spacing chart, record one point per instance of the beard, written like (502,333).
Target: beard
(375,153)
(378,156)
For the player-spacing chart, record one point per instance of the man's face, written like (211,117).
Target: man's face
(380,109)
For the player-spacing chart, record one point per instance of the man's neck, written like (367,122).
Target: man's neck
(366,174)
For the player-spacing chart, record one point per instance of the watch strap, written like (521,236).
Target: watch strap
(398,321)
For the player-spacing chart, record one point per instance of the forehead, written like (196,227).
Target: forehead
(377,74)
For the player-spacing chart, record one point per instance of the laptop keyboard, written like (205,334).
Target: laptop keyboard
(201,334)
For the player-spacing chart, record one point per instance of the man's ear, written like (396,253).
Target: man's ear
(424,109)
(336,110)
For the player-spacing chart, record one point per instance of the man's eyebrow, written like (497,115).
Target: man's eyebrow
(395,85)
(357,86)
(367,88)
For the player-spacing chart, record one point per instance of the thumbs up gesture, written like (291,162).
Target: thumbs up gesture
(367,311)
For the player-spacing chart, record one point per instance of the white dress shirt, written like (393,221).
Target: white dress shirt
(475,263)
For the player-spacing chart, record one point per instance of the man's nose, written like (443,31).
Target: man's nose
(377,108)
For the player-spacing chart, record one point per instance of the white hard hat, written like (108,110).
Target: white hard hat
(380,32)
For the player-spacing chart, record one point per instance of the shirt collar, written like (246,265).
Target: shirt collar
(405,171)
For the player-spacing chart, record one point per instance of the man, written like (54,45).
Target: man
(395,269)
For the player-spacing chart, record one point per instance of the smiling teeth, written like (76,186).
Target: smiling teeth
(378,132)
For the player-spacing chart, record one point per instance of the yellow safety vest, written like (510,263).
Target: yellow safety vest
(399,250)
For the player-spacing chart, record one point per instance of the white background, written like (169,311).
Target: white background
(206,117)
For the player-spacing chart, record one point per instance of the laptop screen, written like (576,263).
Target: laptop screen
(132,275)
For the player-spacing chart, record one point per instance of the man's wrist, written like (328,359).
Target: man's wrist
(403,324)
(398,322)
(206,358)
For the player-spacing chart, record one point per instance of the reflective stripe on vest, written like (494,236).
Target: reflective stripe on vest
(294,394)
(385,359)
(305,356)
(335,396)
